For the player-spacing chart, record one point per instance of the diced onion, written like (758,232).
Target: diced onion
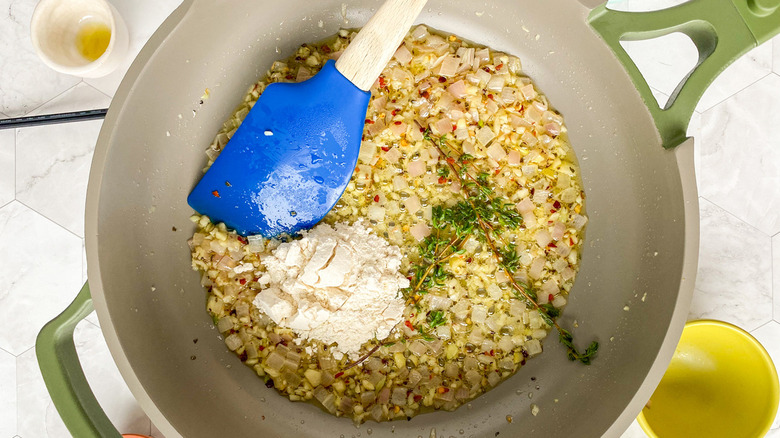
(420,32)
(525,206)
(399,183)
(442,126)
(537,266)
(420,231)
(256,243)
(533,347)
(376,212)
(541,196)
(496,152)
(543,238)
(496,83)
(528,92)
(412,204)
(416,168)
(485,135)
(393,155)
(398,128)
(558,230)
(458,89)
(478,313)
(403,55)
(578,221)
(550,287)
(449,67)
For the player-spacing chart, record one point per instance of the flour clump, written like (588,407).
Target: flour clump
(337,284)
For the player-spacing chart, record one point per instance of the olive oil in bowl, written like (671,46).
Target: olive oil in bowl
(92,39)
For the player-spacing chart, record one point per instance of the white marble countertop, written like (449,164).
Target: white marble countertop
(44,171)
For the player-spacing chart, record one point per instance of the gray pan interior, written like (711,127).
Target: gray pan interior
(640,253)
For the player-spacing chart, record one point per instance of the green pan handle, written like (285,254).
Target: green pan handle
(64,377)
(722,30)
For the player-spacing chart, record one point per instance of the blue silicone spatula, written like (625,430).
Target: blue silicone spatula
(291,159)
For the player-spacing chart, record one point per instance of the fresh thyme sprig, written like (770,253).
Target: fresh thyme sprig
(484,215)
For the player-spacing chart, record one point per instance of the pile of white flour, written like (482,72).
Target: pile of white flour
(336,284)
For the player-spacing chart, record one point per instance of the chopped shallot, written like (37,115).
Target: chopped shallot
(420,231)
(416,168)
(458,89)
(485,135)
(403,55)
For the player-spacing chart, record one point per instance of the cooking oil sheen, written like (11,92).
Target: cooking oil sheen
(92,40)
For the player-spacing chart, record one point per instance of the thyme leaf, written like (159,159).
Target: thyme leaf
(436,318)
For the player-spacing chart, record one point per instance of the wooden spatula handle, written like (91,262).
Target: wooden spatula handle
(368,53)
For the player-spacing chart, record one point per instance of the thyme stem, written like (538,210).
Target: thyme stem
(548,312)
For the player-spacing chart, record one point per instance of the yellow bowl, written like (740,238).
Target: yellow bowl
(721,383)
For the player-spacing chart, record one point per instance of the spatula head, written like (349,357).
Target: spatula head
(290,160)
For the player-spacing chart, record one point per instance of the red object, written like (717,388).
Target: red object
(442,180)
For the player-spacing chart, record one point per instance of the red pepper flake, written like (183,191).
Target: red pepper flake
(382,82)
(397,122)
(326,49)
(557,205)
(242,281)
(497,171)
(385,148)
(490,96)
(339,374)
(498,67)
(486,69)
(469,260)
(442,79)
(442,180)
(552,245)
(492,352)
(550,297)
(261,348)
(376,198)
(369,121)
(215,193)
(242,240)
(417,398)
(288,77)
(425,94)
(450,160)
(409,324)
(422,129)
(394,112)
